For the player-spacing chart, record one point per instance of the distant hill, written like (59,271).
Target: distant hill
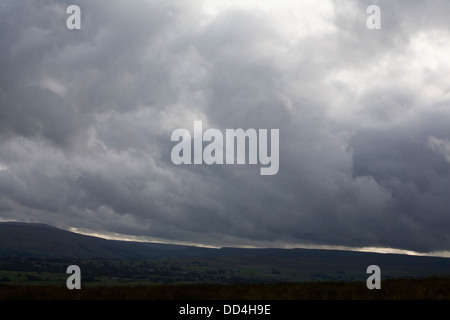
(25,240)
(44,241)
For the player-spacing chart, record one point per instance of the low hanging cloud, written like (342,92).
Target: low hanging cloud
(86,118)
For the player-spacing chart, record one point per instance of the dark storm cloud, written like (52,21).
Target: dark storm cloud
(86,117)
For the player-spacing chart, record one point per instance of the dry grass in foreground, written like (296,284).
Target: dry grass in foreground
(429,289)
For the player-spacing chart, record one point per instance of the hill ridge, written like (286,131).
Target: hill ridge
(53,242)
(16,241)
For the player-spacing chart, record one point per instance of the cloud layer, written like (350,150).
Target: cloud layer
(86,118)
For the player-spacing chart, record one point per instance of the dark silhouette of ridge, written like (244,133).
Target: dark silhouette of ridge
(18,239)
(25,240)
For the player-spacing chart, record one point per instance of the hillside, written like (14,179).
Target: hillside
(38,241)
(44,241)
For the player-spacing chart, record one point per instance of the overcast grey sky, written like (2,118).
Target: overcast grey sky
(86,118)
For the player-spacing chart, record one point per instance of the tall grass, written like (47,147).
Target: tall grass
(429,289)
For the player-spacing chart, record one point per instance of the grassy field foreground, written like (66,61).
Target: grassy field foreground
(428,289)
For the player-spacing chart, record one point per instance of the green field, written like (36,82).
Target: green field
(38,278)
(164,271)
(220,270)
(229,277)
